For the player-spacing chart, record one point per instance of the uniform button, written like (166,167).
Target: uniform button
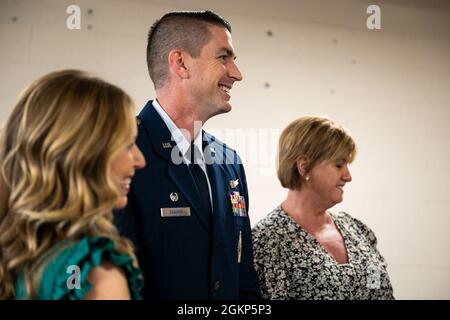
(217,285)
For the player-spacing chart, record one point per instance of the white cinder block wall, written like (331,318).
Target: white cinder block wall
(390,87)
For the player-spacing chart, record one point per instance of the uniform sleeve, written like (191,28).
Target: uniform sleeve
(249,282)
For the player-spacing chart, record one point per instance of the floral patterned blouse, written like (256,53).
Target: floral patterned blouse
(292,264)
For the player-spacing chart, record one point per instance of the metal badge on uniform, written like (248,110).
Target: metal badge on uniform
(239,247)
(175,212)
(174,196)
(166,145)
(234,183)
(238,204)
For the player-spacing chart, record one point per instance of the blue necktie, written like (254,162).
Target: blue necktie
(202,184)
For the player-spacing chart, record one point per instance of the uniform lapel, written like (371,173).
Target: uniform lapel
(177,171)
(218,178)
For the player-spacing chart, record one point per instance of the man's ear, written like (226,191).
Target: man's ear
(302,166)
(177,60)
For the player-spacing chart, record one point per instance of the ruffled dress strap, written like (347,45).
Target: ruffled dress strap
(59,280)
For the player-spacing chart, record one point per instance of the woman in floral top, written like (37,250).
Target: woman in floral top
(301,250)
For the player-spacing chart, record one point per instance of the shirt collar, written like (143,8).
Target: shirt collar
(182,143)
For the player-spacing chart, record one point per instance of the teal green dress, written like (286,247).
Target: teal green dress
(60,279)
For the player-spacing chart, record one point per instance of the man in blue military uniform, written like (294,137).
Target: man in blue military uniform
(187,210)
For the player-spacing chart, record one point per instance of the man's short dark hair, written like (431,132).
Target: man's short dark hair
(184,30)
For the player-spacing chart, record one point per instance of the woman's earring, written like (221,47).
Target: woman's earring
(307,178)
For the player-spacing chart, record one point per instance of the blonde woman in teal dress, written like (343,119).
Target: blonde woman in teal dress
(67,157)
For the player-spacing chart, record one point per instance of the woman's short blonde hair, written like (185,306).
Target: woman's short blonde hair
(316,139)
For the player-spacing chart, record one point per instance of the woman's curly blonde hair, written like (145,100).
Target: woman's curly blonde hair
(55,170)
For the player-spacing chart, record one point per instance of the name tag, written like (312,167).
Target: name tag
(175,212)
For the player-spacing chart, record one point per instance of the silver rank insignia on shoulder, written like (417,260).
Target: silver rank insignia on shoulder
(166,145)
(174,196)
(234,183)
